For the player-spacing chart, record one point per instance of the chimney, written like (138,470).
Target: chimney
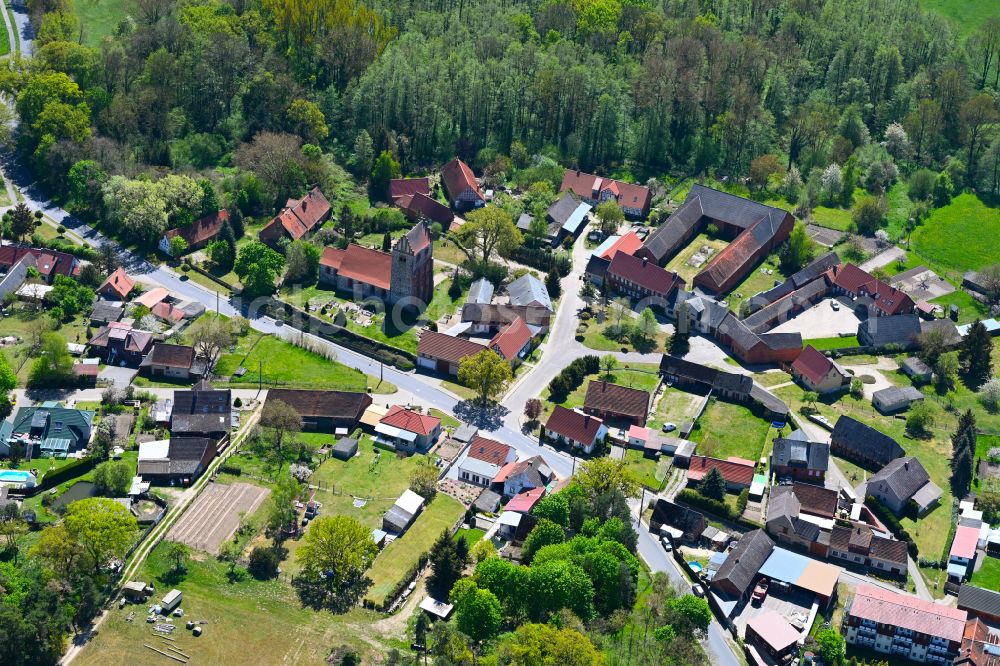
(586,420)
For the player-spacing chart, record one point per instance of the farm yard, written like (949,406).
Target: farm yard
(216,514)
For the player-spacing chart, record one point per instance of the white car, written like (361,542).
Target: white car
(669,427)
(835,305)
(667,546)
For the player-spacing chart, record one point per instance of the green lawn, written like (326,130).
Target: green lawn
(19,323)
(757,281)
(446,251)
(952,237)
(727,429)
(969,309)
(378,483)
(837,342)
(283,364)
(472,536)
(651,473)
(283,630)
(679,264)
(832,218)
(100,18)
(988,576)
(594,338)
(399,556)
(966,15)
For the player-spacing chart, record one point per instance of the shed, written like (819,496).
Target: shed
(171,601)
(465,433)
(758,486)
(438,609)
(682,456)
(917,370)
(487,502)
(134,591)
(345,449)
(894,399)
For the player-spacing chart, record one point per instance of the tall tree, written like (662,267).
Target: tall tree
(386,168)
(104,529)
(258,266)
(446,566)
(486,373)
(975,355)
(209,336)
(713,485)
(487,234)
(281,420)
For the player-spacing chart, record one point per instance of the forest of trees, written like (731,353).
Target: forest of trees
(261,95)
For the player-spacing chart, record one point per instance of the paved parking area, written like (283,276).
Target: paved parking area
(117,377)
(793,605)
(821,321)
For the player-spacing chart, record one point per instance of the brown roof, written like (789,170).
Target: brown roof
(48,261)
(578,427)
(299,217)
(812,364)
(603,396)
(814,499)
(403,186)
(489,450)
(419,204)
(733,471)
(644,273)
(338,404)
(511,339)
(444,347)
(332,257)
(118,282)
(736,258)
(498,313)
(854,280)
(458,177)
(201,231)
(589,186)
(366,265)
(86,370)
(172,356)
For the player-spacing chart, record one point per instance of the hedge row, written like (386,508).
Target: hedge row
(892,522)
(541,259)
(570,378)
(66,472)
(713,506)
(81,251)
(400,585)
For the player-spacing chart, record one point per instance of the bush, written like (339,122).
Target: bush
(890,520)
(61,229)
(264,562)
(237,402)
(707,504)
(572,376)
(229,468)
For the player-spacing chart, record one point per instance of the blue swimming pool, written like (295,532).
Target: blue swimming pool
(695,566)
(16,476)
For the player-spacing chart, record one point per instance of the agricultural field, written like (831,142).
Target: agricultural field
(282,629)
(280,363)
(965,15)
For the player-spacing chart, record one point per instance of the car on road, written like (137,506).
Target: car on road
(835,305)
(669,427)
(667,546)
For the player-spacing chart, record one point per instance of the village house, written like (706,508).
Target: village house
(819,373)
(860,546)
(405,275)
(737,472)
(566,218)
(525,501)
(877,297)
(105,312)
(407,187)
(755,349)
(903,625)
(298,219)
(900,482)
(423,208)
(51,429)
(483,461)
(613,402)
(917,370)
(519,476)
(202,411)
(642,280)
(172,361)
(333,412)
(408,430)
(49,263)
(797,458)
(771,633)
(573,429)
(689,523)
(120,344)
(962,554)
(790,524)
(461,187)
(756,230)
(529,291)
(595,190)
(736,574)
(117,287)
(198,234)
(863,444)
(440,352)
(980,602)
(180,459)
(815,271)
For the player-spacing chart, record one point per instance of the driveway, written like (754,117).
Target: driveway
(821,321)
(884,258)
(117,377)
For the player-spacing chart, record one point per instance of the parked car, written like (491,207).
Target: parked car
(697,590)
(759,592)
(667,546)
(835,305)
(669,427)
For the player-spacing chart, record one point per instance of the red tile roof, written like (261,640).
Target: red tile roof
(644,273)
(589,186)
(578,427)
(201,231)
(166,311)
(408,186)
(812,364)
(366,265)
(489,450)
(332,257)
(524,502)
(118,283)
(48,261)
(299,217)
(887,298)
(407,419)
(418,238)
(628,244)
(441,346)
(732,471)
(86,370)
(458,177)
(902,610)
(511,339)
(421,205)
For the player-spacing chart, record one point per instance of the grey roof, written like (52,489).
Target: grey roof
(745,560)
(55,423)
(187,453)
(927,495)
(794,452)
(946,327)
(528,289)
(783,504)
(201,410)
(768,400)
(894,330)
(703,374)
(768,316)
(864,441)
(563,208)
(488,501)
(978,600)
(465,433)
(913,366)
(814,270)
(480,292)
(524,221)
(894,397)
(667,240)
(597,266)
(106,312)
(904,476)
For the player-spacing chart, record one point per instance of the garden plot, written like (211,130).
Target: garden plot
(215,515)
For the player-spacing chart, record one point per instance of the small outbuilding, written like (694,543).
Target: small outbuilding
(345,449)
(171,601)
(487,502)
(895,399)
(436,609)
(917,370)
(402,514)
(135,591)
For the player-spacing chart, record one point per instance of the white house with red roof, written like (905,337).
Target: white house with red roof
(633,199)
(513,342)
(574,429)
(407,429)
(819,373)
(963,553)
(483,460)
(461,186)
(516,477)
(118,286)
